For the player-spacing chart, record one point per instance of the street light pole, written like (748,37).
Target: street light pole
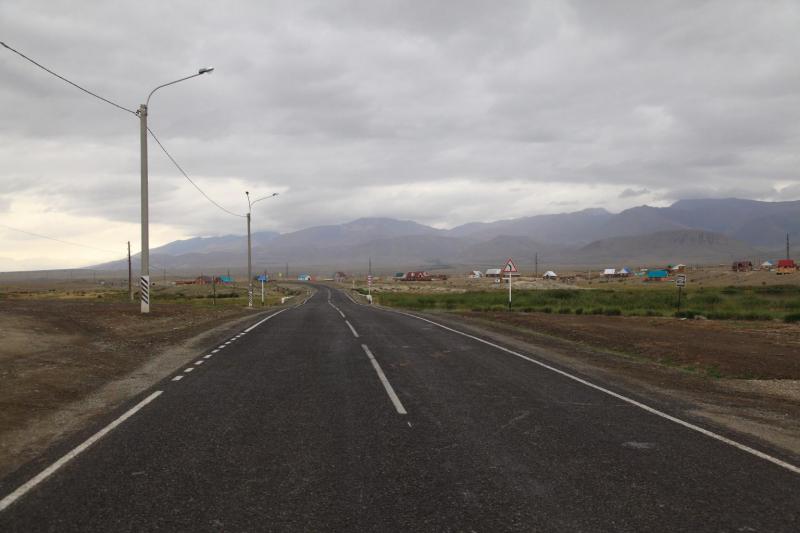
(144,280)
(250,248)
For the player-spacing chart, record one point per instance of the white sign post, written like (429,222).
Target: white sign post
(680,282)
(508,270)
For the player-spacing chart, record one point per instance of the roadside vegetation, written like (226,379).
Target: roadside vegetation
(774,302)
(194,295)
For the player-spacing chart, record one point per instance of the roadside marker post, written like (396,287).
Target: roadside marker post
(680,282)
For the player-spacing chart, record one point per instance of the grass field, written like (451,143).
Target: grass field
(780,302)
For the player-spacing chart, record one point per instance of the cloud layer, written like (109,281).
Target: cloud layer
(441,112)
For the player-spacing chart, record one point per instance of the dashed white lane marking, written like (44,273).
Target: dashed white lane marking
(209,356)
(254,326)
(215,351)
(198,363)
(47,472)
(187,370)
(178,378)
(651,410)
(337,309)
(220,347)
(355,334)
(386,385)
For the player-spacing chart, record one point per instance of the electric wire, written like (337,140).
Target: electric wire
(39,235)
(185,175)
(59,76)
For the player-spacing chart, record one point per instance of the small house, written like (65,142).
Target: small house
(766,265)
(476,274)
(417,276)
(678,269)
(624,272)
(742,266)
(494,272)
(610,272)
(657,275)
(550,275)
(225,280)
(786,266)
(203,280)
(304,277)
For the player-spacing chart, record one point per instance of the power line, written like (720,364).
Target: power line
(39,235)
(58,240)
(59,76)
(185,175)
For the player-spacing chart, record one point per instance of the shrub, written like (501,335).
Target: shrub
(564,310)
(579,311)
(792,317)
(612,312)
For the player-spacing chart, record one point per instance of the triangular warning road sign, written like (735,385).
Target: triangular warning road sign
(510,266)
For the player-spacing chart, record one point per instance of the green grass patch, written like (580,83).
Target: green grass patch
(776,302)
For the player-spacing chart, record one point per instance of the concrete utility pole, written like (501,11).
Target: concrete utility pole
(250,248)
(130,273)
(144,280)
(536,265)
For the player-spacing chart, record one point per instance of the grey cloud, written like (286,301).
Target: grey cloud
(350,102)
(633,193)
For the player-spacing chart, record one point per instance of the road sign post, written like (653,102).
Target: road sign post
(680,282)
(509,269)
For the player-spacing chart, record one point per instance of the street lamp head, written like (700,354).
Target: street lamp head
(206,70)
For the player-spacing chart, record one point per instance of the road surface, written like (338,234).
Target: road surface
(333,416)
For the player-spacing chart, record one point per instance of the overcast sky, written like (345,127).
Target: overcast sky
(440,112)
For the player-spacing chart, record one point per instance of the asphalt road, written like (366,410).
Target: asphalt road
(299,425)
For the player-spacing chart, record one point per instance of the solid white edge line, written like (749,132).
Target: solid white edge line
(254,326)
(355,334)
(652,410)
(398,405)
(47,472)
(178,378)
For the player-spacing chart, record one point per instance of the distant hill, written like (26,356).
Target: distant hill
(681,246)
(698,231)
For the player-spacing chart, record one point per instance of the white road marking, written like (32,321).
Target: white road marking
(198,363)
(386,385)
(178,378)
(355,334)
(651,410)
(215,351)
(47,472)
(254,326)
(209,356)
(220,347)
(339,310)
(187,370)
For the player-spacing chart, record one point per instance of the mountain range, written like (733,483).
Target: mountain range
(688,231)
